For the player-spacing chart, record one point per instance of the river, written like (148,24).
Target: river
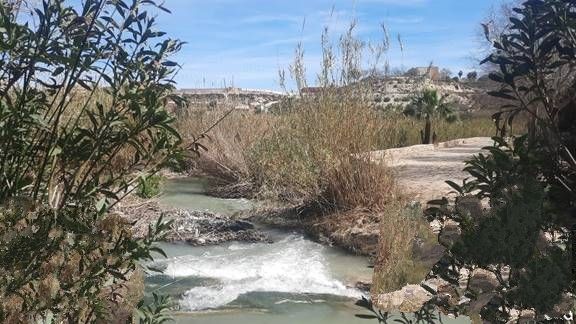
(292,280)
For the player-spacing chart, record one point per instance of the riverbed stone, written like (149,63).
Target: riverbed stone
(483,281)
(437,285)
(450,233)
(428,254)
(410,298)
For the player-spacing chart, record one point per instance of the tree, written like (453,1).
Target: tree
(526,237)
(472,76)
(83,88)
(494,25)
(460,74)
(429,105)
(445,74)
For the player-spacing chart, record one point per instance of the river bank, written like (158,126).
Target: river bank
(244,270)
(207,224)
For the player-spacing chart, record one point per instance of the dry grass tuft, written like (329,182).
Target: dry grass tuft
(395,265)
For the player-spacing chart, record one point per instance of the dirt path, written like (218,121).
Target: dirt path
(423,169)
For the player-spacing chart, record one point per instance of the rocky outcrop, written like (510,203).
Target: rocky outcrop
(240,99)
(392,92)
(193,227)
(357,231)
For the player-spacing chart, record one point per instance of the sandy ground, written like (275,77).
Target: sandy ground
(423,169)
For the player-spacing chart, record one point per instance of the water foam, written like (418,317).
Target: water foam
(292,265)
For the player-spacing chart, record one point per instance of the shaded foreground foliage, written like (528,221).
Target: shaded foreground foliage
(82,122)
(526,236)
(524,233)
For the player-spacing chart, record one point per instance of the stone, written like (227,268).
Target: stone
(436,226)
(463,278)
(437,285)
(470,206)
(450,233)
(480,302)
(483,281)
(410,298)
(363,286)
(464,300)
(428,254)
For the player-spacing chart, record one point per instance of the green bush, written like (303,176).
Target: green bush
(529,181)
(150,186)
(82,93)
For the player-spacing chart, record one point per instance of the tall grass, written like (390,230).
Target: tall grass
(230,140)
(395,265)
(295,156)
(313,144)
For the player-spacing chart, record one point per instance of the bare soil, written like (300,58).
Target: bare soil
(421,170)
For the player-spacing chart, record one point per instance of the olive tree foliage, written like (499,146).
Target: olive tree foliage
(82,121)
(525,238)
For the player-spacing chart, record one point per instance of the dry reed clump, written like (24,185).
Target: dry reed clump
(229,141)
(314,142)
(395,265)
(359,183)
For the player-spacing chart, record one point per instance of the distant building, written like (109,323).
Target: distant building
(310,90)
(431,72)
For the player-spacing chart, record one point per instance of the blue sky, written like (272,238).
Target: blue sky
(245,42)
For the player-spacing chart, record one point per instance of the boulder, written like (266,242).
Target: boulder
(410,298)
(483,281)
(428,254)
(437,286)
(450,233)
(480,302)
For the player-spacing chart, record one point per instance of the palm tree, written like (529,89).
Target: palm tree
(428,105)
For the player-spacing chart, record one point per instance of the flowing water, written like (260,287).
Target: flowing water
(292,280)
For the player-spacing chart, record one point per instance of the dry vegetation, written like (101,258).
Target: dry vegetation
(396,265)
(307,154)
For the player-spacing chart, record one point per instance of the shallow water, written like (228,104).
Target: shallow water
(292,280)
(188,193)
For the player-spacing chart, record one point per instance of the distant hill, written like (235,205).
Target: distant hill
(385,93)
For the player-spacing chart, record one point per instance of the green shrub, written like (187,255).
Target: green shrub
(528,181)
(150,186)
(82,93)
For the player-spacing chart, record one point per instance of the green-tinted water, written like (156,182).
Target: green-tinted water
(292,280)
(188,193)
